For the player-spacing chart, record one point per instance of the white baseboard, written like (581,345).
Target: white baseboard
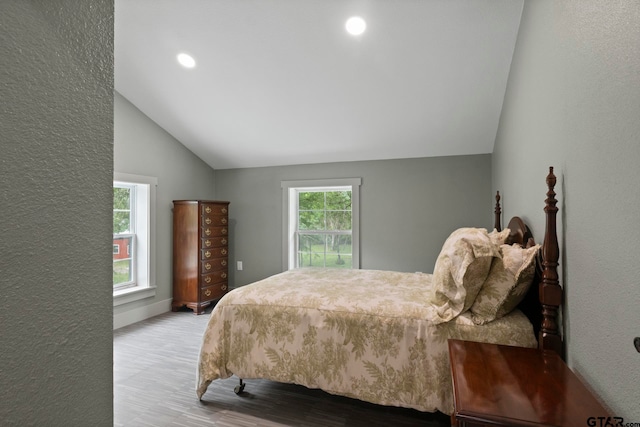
(141,313)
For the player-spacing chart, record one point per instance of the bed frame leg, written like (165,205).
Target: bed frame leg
(239,388)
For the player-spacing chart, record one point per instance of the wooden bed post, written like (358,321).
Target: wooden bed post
(497,211)
(550,292)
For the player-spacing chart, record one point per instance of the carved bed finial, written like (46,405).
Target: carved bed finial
(497,211)
(550,290)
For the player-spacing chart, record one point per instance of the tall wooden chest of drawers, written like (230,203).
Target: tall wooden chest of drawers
(200,253)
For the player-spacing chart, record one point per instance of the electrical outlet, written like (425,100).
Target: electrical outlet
(239,265)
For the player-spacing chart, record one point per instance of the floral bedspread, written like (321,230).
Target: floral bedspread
(364,334)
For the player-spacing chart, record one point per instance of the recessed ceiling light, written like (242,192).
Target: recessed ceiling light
(355,25)
(186,60)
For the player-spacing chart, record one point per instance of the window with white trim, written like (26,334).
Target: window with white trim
(321,223)
(133,237)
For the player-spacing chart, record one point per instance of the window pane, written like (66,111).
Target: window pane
(121,222)
(331,251)
(122,271)
(339,200)
(121,198)
(339,220)
(311,200)
(338,251)
(311,220)
(311,250)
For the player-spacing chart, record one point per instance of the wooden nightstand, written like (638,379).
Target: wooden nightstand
(515,386)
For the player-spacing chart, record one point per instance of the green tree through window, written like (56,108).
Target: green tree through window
(324,229)
(121,210)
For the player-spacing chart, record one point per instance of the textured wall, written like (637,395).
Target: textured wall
(408,207)
(56,132)
(181,175)
(573,101)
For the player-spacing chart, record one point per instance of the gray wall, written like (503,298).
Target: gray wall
(407,209)
(573,101)
(141,147)
(56,164)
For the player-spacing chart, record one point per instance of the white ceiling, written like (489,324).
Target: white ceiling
(280,82)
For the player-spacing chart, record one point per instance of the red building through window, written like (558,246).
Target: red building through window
(121,247)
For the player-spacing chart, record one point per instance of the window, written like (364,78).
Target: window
(124,234)
(321,223)
(133,237)
(322,237)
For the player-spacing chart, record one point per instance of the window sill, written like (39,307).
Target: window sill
(133,294)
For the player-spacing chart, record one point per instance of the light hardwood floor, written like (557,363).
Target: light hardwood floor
(154,385)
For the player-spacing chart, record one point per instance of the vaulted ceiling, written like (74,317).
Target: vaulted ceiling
(280,82)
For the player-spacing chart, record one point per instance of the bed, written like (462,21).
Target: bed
(381,336)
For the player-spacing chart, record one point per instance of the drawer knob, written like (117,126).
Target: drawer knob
(207,266)
(223,275)
(207,292)
(224,262)
(224,220)
(207,243)
(224,231)
(207,254)
(223,241)
(208,220)
(207,279)
(223,287)
(223,252)
(224,210)
(207,232)
(207,209)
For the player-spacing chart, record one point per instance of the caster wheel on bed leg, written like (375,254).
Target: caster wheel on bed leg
(239,388)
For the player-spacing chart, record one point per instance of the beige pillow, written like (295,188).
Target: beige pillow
(499,237)
(460,271)
(507,284)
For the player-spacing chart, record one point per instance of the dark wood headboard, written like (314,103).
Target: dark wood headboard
(542,303)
